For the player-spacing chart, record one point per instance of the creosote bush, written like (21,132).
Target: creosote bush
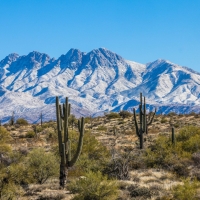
(112,115)
(94,186)
(30,134)
(12,177)
(21,121)
(94,157)
(5,149)
(125,114)
(174,157)
(186,191)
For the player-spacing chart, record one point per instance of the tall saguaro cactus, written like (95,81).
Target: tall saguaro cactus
(145,120)
(173,136)
(62,114)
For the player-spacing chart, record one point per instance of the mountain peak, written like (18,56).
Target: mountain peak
(37,55)
(96,81)
(9,59)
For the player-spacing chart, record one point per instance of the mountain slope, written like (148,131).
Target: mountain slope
(95,82)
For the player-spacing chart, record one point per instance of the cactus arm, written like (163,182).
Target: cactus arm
(152,118)
(69,109)
(69,151)
(59,125)
(65,109)
(136,123)
(173,136)
(80,144)
(140,98)
(144,116)
(60,109)
(79,126)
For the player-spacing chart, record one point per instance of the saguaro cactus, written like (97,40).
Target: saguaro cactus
(62,114)
(173,136)
(145,120)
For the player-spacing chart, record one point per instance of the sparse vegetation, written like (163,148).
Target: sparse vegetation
(29,160)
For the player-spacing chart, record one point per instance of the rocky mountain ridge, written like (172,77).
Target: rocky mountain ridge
(95,82)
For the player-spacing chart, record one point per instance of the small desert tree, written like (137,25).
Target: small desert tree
(41,165)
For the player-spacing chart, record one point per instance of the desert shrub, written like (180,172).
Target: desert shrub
(187,132)
(119,167)
(171,114)
(30,134)
(186,191)
(21,121)
(163,120)
(5,148)
(38,128)
(174,157)
(180,167)
(125,114)
(196,158)
(138,191)
(112,115)
(189,139)
(101,128)
(41,165)
(88,120)
(94,156)
(176,125)
(51,135)
(11,179)
(94,186)
(192,113)
(17,125)
(72,121)
(45,125)
(51,196)
(11,192)
(159,152)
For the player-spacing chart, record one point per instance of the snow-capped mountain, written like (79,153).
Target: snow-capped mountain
(95,82)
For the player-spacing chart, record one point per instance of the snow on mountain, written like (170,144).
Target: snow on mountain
(95,82)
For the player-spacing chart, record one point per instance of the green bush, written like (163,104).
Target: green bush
(51,135)
(125,114)
(22,121)
(163,120)
(30,134)
(38,128)
(171,114)
(174,157)
(112,115)
(94,186)
(11,178)
(11,192)
(72,121)
(41,165)
(94,157)
(186,191)
(5,149)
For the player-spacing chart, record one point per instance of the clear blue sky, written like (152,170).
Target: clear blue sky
(138,30)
